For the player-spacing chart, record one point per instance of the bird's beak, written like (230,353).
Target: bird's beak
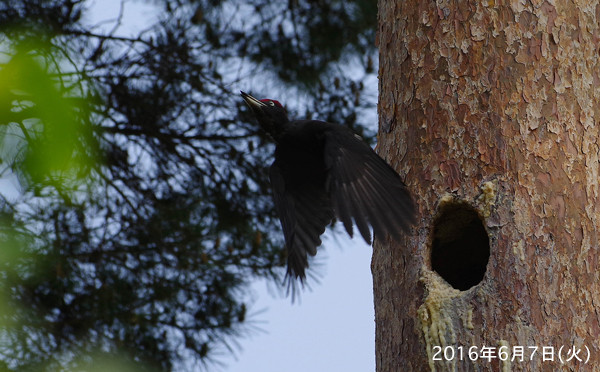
(252,102)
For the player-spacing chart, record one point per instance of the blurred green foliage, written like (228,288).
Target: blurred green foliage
(134,199)
(46,130)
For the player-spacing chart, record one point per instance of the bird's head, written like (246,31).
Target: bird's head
(270,114)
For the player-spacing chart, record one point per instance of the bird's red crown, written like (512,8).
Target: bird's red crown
(266,100)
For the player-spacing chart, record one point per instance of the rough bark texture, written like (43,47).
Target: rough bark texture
(494,104)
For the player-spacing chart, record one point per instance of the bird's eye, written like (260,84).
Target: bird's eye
(272,103)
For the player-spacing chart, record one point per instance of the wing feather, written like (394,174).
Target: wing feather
(304,212)
(364,188)
(357,186)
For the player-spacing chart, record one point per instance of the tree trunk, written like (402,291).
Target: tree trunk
(489,110)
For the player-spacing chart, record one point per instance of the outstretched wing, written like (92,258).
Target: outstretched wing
(304,210)
(364,188)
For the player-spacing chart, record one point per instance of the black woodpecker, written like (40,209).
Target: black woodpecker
(321,171)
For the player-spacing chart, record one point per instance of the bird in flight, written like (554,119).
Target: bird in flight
(324,171)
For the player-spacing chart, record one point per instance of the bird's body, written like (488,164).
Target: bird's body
(324,170)
(298,177)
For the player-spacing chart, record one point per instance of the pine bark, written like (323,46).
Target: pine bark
(492,105)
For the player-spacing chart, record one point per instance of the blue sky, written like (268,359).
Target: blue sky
(332,327)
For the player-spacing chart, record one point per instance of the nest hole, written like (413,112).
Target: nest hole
(460,247)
